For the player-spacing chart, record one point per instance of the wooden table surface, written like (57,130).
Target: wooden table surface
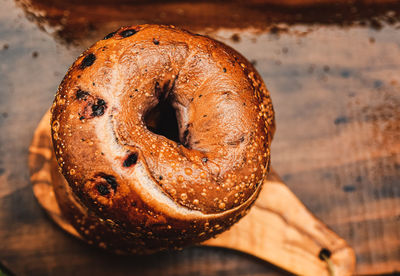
(336,92)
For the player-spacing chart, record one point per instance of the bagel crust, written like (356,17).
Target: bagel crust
(129,188)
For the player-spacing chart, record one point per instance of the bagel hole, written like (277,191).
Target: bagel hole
(162,120)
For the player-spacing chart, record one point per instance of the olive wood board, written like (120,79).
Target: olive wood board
(278,229)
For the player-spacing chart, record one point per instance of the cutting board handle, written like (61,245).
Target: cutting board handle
(280,230)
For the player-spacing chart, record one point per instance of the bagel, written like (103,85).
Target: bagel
(163,138)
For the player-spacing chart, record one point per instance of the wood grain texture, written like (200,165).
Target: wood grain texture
(278,229)
(335,88)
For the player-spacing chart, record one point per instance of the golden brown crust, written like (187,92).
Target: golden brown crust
(176,193)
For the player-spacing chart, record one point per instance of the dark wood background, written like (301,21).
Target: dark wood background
(335,87)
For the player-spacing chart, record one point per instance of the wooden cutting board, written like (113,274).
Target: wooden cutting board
(278,228)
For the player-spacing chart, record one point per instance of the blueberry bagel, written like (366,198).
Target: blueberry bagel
(163,137)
